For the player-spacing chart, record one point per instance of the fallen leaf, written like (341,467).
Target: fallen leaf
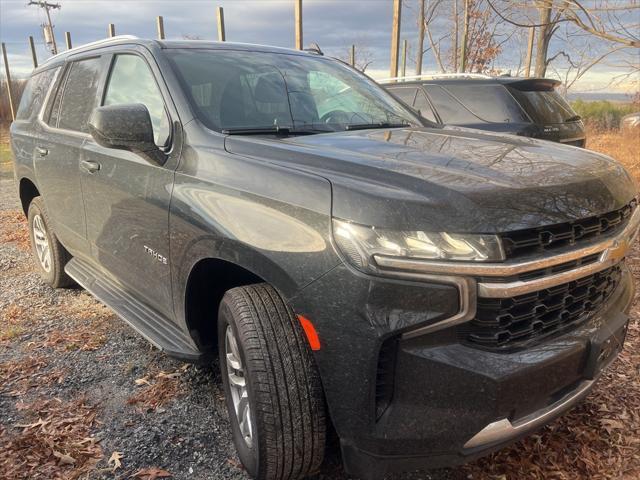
(115,459)
(64,459)
(142,381)
(151,474)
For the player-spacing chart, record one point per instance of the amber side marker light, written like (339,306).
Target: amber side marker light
(310,331)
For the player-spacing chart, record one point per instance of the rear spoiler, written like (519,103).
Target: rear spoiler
(535,84)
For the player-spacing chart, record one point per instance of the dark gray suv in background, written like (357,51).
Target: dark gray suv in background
(431,294)
(520,106)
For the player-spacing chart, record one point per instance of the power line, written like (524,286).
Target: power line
(49,35)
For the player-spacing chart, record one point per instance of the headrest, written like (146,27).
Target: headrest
(270,89)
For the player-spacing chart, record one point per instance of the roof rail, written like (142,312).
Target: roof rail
(104,41)
(435,76)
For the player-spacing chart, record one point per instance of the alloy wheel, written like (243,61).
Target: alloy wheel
(238,384)
(42,244)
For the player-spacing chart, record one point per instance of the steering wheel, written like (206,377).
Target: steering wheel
(336,116)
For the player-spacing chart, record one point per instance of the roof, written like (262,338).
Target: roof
(462,79)
(169,44)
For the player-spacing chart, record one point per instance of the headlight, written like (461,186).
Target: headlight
(359,243)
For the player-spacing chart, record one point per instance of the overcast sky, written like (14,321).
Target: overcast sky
(333,24)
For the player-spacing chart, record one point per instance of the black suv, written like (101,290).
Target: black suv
(521,106)
(433,295)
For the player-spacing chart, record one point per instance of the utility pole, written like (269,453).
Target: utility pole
(49,35)
(395,38)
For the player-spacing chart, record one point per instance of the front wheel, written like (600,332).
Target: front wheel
(273,390)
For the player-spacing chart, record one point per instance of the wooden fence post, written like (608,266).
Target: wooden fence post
(395,38)
(67,39)
(32,47)
(221,31)
(8,75)
(160,25)
(298,23)
(404,58)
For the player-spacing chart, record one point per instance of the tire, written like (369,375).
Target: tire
(285,398)
(50,265)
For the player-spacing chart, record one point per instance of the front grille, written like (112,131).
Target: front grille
(543,272)
(538,240)
(503,324)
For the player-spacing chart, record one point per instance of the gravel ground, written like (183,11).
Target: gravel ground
(83,396)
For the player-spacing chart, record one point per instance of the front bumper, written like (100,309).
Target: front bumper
(448,402)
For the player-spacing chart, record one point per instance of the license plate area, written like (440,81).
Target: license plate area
(606,345)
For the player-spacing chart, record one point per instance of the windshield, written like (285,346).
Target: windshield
(257,90)
(545,106)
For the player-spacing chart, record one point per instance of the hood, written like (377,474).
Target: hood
(456,180)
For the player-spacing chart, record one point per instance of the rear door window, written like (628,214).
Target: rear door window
(450,110)
(131,81)
(79,97)
(34,93)
(491,103)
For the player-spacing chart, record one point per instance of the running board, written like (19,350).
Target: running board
(152,325)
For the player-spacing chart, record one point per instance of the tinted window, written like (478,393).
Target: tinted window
(55,100)
(450,110)
(260,90)
(34,92)
(545,106)
(422,104)
(405,94)
(131,81)
(79,97)
(492,103)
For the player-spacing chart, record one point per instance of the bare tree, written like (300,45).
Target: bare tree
(613,22)
(363,55)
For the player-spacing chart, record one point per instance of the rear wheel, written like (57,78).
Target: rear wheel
(273,391)
(50,256)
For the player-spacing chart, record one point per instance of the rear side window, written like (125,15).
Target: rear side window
(545,106)
(79,97)
(34,93)
(492,103)
(131,81)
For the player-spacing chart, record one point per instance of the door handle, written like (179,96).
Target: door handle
(89,167)
(43,152)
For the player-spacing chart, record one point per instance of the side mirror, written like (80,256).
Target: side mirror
(125,127)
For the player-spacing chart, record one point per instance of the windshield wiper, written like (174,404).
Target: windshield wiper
(365,126)
(256,130)
(272,130)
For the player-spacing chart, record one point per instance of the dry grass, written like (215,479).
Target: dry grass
(13,229)
(623,146)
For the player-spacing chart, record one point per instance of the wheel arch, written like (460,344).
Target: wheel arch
(28,191)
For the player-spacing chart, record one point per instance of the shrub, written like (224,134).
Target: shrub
(602,114)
